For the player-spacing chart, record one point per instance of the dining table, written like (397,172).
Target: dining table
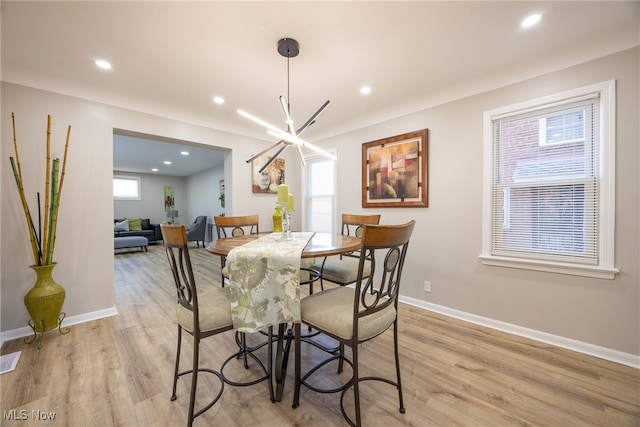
(320,244)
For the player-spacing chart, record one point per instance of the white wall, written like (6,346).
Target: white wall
(203,190)
(447,237)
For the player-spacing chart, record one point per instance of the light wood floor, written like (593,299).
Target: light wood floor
(117,372)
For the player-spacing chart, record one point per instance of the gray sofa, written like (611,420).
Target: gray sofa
(150,231)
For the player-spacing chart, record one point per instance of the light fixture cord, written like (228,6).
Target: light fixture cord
(288,103)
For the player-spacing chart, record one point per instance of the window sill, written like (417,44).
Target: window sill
(551,267)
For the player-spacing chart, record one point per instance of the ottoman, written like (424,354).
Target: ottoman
(131,242)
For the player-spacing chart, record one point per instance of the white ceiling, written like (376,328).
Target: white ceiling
(142,153)
(171,58)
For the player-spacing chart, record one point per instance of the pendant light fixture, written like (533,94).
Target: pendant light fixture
(289,49)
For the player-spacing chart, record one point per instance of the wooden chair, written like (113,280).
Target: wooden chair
(234,226)
(202,315)
(353,315)
(344,270)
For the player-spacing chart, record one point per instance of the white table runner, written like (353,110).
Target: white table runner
(264,278)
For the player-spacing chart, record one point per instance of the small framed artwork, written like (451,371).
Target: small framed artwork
(394,171)
(169,199)
(221,197)
(267,182)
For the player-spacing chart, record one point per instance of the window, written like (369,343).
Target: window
(320,194)
(549,191)
(126,188)
(568,126)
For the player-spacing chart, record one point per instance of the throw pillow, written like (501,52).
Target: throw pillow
(122,226)
(135,224)
(146,224)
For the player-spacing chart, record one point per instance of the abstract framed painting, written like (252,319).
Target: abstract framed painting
(394,171)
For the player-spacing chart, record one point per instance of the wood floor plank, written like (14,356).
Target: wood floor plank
(118,371)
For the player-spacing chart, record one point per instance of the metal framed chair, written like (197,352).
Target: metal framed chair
(202,315)
(343,270)
(234,226)
(353,315)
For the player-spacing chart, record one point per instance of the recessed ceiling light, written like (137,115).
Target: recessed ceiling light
(184,153)
(103,64)
(531,20)
(167,162)
(218,100)
(365,90)
(154,170)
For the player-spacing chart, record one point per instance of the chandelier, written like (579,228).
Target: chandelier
(289,49)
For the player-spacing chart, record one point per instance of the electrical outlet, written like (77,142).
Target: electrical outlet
(427,286)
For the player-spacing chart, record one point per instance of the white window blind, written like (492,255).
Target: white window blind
(320,193)
(544,192)
(552,189)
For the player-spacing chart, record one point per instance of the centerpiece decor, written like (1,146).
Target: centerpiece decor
(285,201)
(44,301)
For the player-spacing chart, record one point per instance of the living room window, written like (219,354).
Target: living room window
(126,188)
(549,192)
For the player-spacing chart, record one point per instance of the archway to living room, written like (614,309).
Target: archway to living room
(165,179)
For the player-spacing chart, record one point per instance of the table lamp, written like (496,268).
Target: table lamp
(173,215)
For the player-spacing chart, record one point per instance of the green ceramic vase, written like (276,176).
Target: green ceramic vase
(44,301)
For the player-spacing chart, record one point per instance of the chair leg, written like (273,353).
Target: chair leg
(270,362)
(341,360)
(222,264)
(356,382)
(175,375)
(194,379)
(395,346)
(244,349)
(297,373)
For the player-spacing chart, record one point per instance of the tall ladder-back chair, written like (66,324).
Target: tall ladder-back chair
(353,315)
(343,270)
(234,226)
(202,315)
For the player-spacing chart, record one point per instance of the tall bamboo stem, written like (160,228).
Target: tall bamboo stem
(32,232)
(64,163)
(15,145)
(53,217)
(46,187)
(39,220)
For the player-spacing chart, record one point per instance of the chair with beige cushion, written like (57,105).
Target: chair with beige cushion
(343,270)
(234,226)
(202,315)
(353,315)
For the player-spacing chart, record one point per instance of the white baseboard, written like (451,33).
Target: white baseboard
(570,344)
(68,321)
